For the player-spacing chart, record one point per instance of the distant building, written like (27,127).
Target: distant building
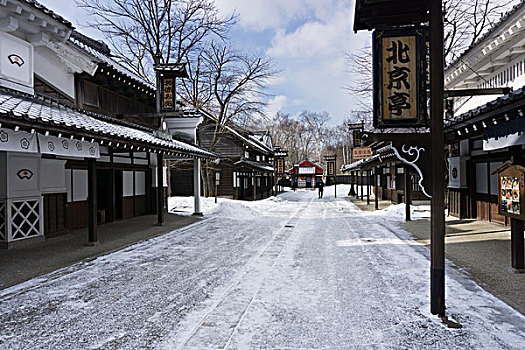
(308,174)
(245,168)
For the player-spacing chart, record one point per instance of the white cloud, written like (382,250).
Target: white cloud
(315,38)
(278,103)
(275,14)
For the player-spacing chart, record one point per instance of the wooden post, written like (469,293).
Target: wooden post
(160,189)
(352,180)
(408,193)
(254,186)
(517,244)
(197,187)
(92,202)
(335,184)
(362,189)
(437,237)
(376,183)
(516,225)
(368,188)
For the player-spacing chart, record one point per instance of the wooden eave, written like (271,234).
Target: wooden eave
(372,14)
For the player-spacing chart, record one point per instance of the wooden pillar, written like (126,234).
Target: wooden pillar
(408,193)
(92,202)
(197,187)
(254,186)
(160,189)
(352,180)
(516,225)
(362,183)
(517,244)
(368,188)
(376,183)
(437,237)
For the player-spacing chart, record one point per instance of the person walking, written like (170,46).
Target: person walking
(321,189)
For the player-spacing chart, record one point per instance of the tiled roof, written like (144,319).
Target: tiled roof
(48,12)
(488,33)
(254,165)
(188,113)
(14,105)
(493,105)
(101,54)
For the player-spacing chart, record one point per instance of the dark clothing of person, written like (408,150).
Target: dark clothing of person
(321,189)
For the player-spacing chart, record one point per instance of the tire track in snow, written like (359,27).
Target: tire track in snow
(214,327)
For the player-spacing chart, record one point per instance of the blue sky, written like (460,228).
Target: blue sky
(307,39)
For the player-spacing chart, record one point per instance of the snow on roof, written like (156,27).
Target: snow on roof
(493,105)
(15,105)
(254,165)
(101,54)
(488,34)
(37,5)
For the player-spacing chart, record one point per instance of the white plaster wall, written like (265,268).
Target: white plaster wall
(51,69)
(3,175)
(127,183)
(52,175)
(481,178)
(23,187)
(140,183)
(80,185)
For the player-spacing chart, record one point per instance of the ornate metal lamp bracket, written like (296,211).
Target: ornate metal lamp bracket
(413,152)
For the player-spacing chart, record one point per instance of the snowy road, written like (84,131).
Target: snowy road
(289,273)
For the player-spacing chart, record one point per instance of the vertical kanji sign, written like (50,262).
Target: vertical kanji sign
(399,78)
(331,168)
(280,166)
(168,94)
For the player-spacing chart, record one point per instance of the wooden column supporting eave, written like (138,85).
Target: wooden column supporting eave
(92,202)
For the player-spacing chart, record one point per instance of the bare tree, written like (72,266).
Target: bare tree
(141,29)
(465,23)
(237,82)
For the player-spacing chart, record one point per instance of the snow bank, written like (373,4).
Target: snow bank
(397,212)
(236,211)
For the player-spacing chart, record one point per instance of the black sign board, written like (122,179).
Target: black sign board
(400,98)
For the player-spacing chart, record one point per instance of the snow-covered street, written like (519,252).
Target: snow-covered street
(292,272)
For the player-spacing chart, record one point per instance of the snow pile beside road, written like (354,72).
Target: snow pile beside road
(397,213)
(236,211)
(185,205)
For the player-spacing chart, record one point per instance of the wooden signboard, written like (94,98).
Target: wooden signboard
(168,94)
(331,168)
(511,191)
(362,153)
(280,166)
(399,78)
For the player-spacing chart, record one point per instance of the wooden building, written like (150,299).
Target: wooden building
(245,168)
(385,173)
(72,157)
(483,131)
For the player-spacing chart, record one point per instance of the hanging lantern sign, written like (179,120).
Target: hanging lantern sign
(166,84)
(399,78)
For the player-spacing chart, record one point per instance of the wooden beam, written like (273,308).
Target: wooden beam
(160,190)
(475,92)
(92,202)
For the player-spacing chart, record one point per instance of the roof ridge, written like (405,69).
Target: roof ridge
(97,45)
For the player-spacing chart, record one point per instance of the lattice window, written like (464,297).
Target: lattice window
(3,220)
(25,218)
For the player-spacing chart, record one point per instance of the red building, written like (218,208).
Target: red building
(308,173)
